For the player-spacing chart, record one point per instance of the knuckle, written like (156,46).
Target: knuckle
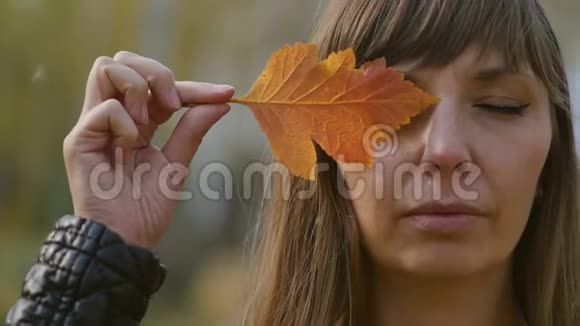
(102,61)
(166,74)
(123,55)
(162,75)
(136,86)
(112,104)
(140,86)
(103,68)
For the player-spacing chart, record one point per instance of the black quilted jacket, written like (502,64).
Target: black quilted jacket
(87,275)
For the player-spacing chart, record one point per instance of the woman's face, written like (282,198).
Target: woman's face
(454,196)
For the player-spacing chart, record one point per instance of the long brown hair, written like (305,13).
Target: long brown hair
(309,260)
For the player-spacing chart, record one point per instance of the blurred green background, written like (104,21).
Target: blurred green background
(46,50)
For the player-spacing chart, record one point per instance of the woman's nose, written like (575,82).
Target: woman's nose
(445,139)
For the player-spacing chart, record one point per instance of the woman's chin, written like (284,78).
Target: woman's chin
(441,259)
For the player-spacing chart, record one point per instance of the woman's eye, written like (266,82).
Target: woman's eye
(504,109)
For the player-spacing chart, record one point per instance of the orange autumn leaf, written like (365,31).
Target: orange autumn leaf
(298,100)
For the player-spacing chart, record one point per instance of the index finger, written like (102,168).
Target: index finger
(192,93)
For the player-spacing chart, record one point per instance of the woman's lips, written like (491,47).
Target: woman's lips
(443,223)
(446,216)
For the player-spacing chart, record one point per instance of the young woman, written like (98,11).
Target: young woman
(501,248)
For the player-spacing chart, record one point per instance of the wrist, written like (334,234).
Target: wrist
(123,229)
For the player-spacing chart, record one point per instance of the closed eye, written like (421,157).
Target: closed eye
(504,109)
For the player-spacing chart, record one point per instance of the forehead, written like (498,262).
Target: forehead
(475,63)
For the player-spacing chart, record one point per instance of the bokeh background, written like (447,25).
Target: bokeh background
(46,50)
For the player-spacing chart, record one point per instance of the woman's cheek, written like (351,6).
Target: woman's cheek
(375,207)
(512,159)
(515,158)
(370,197)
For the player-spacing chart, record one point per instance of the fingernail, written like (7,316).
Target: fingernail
(225,87)
(175,100)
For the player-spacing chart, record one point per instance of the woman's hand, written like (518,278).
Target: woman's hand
(116,176)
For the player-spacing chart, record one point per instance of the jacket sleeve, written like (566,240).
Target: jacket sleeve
(87,275)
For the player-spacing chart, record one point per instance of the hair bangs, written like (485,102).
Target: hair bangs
(434,33)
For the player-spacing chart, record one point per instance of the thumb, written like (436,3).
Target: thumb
(190,130)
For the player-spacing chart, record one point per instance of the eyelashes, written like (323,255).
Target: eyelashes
(504,109)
